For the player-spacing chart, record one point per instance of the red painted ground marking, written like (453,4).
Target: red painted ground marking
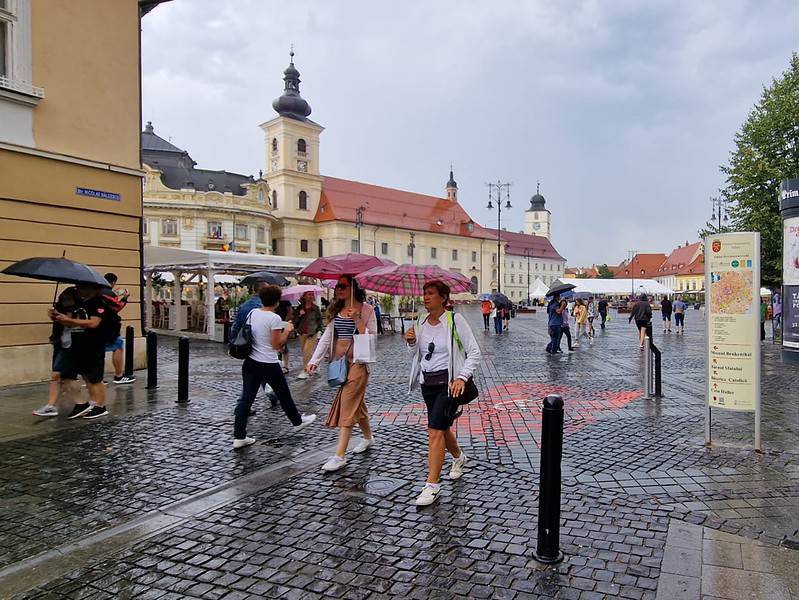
(508,411)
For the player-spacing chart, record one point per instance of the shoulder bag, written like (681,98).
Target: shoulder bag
(241,347)
(338,369)
(470,391)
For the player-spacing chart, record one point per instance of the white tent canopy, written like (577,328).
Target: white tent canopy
(212,265)
(538,289)
(618,287)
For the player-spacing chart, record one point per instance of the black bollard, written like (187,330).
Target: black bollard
(129,351)
(183,371)
(548,547)
(152,360)
(658,368)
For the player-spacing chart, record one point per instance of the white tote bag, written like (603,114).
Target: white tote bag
(363,348)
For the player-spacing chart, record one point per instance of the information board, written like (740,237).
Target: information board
(732,270)
(790,316)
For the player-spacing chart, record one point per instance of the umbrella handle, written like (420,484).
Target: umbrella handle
(55,294)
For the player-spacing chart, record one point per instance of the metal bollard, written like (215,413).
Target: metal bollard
(152,360)
(129,332)
(647,368)
(548,547)
(183,371)
(658,370)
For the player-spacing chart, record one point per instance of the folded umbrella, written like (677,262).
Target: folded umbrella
(333,267)
(264,276)
(409,280)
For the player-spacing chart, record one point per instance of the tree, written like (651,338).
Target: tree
(582,275)
(766,151)
(604,272)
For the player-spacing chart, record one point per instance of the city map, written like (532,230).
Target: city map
(731,292)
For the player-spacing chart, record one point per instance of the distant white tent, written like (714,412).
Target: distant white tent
(538,289)
(618,287)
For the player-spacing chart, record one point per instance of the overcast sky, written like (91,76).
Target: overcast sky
(622,108)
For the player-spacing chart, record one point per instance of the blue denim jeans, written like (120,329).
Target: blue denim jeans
(555,333)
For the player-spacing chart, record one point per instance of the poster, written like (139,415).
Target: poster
(790,251)
(732,269)
(790,316)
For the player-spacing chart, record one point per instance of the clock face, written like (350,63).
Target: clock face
(302,166)
(537,226)
(274,164)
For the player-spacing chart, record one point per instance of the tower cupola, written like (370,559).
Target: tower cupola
(291,104)
(452,187)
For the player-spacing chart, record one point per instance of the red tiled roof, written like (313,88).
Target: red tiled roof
(643,265)
(697,267)
(407,210)
(390,208)
(679,258)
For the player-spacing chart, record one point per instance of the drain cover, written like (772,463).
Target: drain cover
(374,485)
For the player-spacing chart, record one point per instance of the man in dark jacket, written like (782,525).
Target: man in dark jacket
(665,311)
(642,313)
(602,307)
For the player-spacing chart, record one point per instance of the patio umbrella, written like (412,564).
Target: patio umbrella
(332,267)
(409,280)
(559,288)
(265,276)
(295,292)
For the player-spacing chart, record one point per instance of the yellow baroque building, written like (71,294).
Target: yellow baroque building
(296,211)
(70,171)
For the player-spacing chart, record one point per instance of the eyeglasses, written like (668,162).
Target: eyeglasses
(430,350)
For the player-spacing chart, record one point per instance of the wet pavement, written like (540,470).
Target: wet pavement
(152,502)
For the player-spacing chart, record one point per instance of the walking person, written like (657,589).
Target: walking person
(506,317)
(496,315)
(763,315)
(591,309)
(485,309)
(581,318)
(679,315)
(565,331)
(665,311)
(83,347)
(308,323)
(554,324)
(347,314)
(269,333)
(65,303)
(642,313)
(445,354)
(117,300)
(286,314)
(378,314)
(602,307)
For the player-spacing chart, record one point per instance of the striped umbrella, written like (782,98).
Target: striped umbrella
(409,280)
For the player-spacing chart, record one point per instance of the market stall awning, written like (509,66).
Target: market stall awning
(164,259)
(618,287)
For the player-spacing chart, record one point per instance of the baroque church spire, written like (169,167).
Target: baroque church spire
(291,104)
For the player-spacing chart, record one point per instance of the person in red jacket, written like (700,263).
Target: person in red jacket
(117,299)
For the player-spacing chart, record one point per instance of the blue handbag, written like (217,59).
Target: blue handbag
(337,371)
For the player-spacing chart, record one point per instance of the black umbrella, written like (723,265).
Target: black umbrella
(265,276)
(501,300)
(559,288)
(57,269)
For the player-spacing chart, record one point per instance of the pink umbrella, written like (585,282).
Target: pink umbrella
(332,267)
(409,280)
(295,292)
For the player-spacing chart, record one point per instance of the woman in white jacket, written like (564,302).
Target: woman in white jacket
(445,354)
(348,314)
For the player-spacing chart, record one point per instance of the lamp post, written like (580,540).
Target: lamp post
(719,211)
(632,254)
(527,254)
(495,193)
(359,223)
(411,246)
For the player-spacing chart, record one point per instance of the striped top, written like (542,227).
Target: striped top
(343,327)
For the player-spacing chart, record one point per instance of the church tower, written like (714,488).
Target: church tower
(452,187)
(292,165)
(537,217)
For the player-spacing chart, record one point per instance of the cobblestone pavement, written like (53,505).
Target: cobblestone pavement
(633,468)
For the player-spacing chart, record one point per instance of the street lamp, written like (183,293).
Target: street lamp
(528,255)
(719,211)
(411,246)
(495,193)
(359,223)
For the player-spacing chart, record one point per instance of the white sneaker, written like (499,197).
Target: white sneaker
(243,443)
(46,411)
(302,375)
(334,464)
(429,495)
(306,420)
(364,445)
(456,472)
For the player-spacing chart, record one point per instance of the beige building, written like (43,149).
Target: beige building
(307,214)
(70,175)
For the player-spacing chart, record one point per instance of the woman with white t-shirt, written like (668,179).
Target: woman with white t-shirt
(269,332)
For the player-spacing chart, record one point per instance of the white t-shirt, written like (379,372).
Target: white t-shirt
(439,359)
(263,323)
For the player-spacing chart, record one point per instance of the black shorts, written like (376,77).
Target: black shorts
(440,407)
(641,324)
(89,362)
(666,316)
(56,363)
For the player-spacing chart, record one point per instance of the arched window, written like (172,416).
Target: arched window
(474,286)
(274,199)
(301,146)
(303,201)
(274,144)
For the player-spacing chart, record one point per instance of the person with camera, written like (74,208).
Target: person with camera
(445,356)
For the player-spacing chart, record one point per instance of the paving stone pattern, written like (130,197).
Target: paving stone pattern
(631,466)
